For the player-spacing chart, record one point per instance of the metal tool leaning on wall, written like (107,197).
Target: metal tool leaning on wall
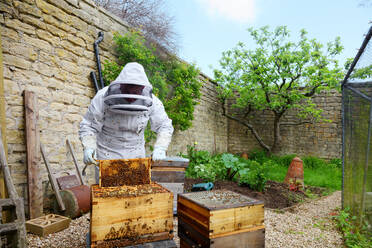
(93,74)
(115,123)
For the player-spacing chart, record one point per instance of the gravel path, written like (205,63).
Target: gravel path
(307,225)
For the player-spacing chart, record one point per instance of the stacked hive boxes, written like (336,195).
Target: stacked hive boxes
(220,218)
(128,209)
(170,173)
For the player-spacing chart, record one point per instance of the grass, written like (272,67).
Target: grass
(317,172)
(324,177)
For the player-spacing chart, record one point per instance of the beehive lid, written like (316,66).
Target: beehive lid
(220,199)
(172,162)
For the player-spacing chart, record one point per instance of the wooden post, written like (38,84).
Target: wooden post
(3,190)
(35,187)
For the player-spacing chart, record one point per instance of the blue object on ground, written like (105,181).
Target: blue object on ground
(202,186)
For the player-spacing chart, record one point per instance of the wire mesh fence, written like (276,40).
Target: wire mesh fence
(357,134)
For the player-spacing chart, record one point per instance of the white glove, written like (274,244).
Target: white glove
(158,154)
(89,144)
(89,156)
(161,145)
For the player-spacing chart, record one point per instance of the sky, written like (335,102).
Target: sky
(206,28)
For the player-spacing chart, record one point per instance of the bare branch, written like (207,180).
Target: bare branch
(295,123)
(147,16)
(312,91)
(249,126)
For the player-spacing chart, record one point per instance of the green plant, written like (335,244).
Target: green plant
(313,162)
(196,158)
(232,164)
(258,155)
(254,175)
(174,82)
(310,194)
(355,236)
(336,162)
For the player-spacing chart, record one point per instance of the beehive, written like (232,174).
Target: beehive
(170,173)
(119,172)
(129,215)
(220,218)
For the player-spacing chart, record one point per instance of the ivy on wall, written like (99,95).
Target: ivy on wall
(174,82)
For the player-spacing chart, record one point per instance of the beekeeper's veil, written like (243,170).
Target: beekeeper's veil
(125,93)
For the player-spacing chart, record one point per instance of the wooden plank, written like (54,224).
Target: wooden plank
(251,239)
(254,237)
(131,242)
(175,188)
(75,161)
(114,216)
(157,244)
(187,231)
(195,225)
(7,176)
(234,219)
(35,187)
(6,217)
(52,179)
(194,215)
(237,232)
(167,169)
(18,238)
(171,162)
(47,224)
(168,176)
(118,172)
(189,204)
(249,216)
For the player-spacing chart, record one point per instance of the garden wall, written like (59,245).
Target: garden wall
(322,139)
(48,48)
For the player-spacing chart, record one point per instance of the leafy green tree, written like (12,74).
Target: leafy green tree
(278,75)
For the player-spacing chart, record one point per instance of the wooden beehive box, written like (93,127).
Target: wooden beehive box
(119,172)
(220,218)
(129,215)
(47,224)
(170,173)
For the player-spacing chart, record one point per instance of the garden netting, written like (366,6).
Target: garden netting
(357,134)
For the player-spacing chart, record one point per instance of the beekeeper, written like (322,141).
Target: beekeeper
(114,125)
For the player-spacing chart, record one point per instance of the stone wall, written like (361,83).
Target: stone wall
(322,139)
(48,48)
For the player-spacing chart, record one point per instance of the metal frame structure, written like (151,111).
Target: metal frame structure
(351,92)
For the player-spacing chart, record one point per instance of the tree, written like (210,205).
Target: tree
(148,16)
(278,75)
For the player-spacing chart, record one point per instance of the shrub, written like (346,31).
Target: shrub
(354,236)
(254,175)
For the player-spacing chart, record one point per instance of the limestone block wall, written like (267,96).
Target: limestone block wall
(48,48)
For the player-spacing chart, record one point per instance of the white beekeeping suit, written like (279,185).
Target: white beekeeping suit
(114,125)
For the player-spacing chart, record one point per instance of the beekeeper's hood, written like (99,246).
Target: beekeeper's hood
(130,92)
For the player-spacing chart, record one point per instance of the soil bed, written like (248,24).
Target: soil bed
(276,195)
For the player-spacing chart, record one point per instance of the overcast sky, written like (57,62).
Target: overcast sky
(209,27)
